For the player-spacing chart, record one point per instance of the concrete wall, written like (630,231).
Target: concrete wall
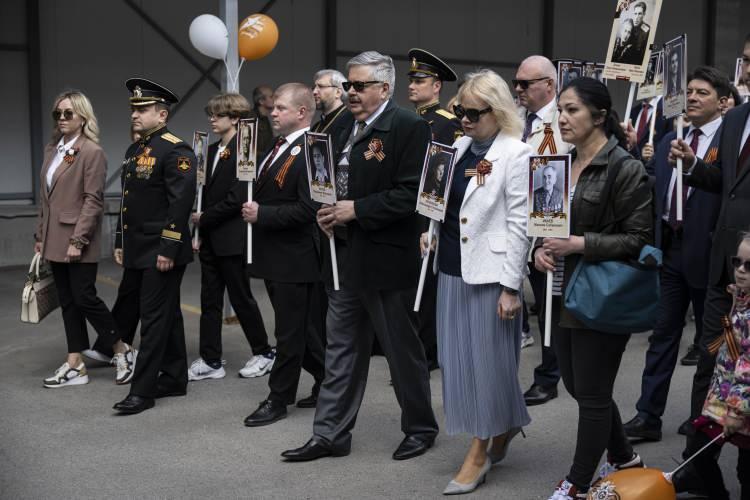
(96,45)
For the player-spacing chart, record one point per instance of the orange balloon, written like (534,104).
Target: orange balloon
(633,484)
(258,35)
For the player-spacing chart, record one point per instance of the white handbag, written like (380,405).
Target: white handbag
(39,297)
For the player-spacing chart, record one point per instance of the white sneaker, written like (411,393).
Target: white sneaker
(526,340)
(199,370)
(125,366)
(97,356)
(259,365)
(566,491)
(608,467)
(65,375)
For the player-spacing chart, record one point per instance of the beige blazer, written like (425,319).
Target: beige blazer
(72,206)
(536,136)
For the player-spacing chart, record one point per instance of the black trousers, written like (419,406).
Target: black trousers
(297,346)
(547,373)
(126,312)
(589,361)
(162,356)
(664,342)
(707,467)
(428,313)
(355,317)
(718,303)
(76,290)
(217,274)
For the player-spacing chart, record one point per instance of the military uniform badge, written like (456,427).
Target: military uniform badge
(183,163)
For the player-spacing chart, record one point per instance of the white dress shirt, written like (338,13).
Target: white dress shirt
(651,109)
(541,113)
(59,156)
(288,140)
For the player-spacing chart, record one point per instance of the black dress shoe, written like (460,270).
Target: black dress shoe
(640,428)
(134,404)
(413,446)
(312,450)
(310,401)
(691,357)
(167,391)
(538,395)
(686,428)
(267,413)
(687,480)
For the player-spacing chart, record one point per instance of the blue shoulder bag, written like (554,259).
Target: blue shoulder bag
(615,296)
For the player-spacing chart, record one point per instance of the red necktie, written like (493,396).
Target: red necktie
(643,122)
(272,156)
(744,155)
(673,222)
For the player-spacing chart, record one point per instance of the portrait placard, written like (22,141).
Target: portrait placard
(633,31)
(675,76)
(320,173)
(200,149)
(595,71)
(741,87)
(549,196)
(653,85)
(568,71)
(247,143)
(435,184)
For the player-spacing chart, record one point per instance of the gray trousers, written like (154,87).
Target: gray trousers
(347,361)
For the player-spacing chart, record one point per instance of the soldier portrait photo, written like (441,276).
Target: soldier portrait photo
(549,195)
(246,161)
(675,76)
(653,85)
(200,149)
(434,186)
(632,35)
(567,71)
(319,167)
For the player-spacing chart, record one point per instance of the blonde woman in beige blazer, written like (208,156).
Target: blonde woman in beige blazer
(68,234)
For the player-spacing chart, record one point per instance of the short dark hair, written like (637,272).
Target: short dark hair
(718,80)
(735,94)
(258,93)
(641,4)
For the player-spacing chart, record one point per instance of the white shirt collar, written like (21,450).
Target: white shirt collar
(295,135)
(377,113)
(546,110)
(68,145)
(709,129)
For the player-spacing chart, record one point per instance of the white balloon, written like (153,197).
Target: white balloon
(209,36)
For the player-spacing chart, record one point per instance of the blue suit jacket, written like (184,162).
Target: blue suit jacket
(661,127)
(699,215)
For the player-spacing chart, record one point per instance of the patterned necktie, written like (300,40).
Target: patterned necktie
(272,156)
(673,222)
(643,122)
(527,129)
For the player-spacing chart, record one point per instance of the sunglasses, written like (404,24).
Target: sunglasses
(57,114)
(739,263)
(358,86)
(318,86)
(524,84)
(471,114)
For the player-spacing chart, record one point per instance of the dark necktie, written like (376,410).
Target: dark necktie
(527,129)
(643,122)
(744,155)
(673,222)
(272,156)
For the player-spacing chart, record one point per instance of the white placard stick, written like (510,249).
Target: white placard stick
(198,209)
(425,262)
(678,206)
(548,310)
(249,225)
(652,127)
(334,263)
(631,96)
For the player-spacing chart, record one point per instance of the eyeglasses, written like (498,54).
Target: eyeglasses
(473,115)
(57,114)
(524,84)
(216,116)
(358,86)
(739,263)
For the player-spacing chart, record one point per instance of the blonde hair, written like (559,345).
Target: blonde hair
(83,108)
(231,104)
(489,87)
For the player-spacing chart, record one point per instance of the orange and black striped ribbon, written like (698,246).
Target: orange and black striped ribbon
(548,141)
(732,349)
(283,171)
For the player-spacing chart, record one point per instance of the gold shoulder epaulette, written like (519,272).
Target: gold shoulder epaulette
(445,113)
(171,138)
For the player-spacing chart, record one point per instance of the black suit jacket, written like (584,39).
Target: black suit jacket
(383,240)
(221,221)
(721,177)
(158,190)
(699,215)
(283,243)
(661,127)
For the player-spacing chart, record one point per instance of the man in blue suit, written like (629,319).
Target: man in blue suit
(686,245)
(640,121)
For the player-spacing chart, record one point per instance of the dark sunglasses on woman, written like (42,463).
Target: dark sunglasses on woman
(358,86)
(57,114)
(473,115)
(739,263)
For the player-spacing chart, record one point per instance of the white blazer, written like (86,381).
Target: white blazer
(492,217)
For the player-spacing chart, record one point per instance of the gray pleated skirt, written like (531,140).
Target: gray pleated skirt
(479,355)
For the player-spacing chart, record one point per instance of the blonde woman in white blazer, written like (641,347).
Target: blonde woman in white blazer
(481,263)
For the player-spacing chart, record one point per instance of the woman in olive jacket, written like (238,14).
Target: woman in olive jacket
(589,359)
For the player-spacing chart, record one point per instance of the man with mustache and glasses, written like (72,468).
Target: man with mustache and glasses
(376,234)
